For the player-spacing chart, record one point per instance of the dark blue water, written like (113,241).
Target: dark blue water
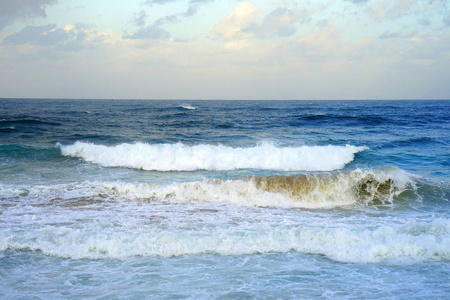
(224,199)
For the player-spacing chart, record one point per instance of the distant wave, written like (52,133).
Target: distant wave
(187,106)
(180,157)
(27,122)
(7,129)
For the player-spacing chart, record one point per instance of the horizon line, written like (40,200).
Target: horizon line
(217,99)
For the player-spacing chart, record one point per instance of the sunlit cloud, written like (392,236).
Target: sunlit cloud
(235,24)
(249,21)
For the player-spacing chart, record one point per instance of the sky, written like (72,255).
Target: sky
(225,49)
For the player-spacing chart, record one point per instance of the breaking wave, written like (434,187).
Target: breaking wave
(311,191)
(180,157)
(188,106)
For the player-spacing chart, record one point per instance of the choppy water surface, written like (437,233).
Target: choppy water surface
(224,199)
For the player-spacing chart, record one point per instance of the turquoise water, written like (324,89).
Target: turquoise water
(109,199)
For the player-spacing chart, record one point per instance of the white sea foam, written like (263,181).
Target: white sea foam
(409,243)
(180,157)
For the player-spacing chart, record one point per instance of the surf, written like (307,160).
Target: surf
(305,191)
(357,188)
(416,241)
(182,157)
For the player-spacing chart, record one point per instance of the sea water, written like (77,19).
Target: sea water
(109,199)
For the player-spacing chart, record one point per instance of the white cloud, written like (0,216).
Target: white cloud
(235,24)
(325,42)
(237,45)
(248,21)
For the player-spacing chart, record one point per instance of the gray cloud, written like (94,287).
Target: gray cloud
(390,35)
(151,32)
(280,22)
(11,10)
(396,35)
(192,9)
(425,21)
(140,17)
(68,39)
(46,35)
(156,30)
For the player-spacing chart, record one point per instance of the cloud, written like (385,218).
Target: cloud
(192,9)
(194,6)
(396,35)
(387,9)
(446,19)
(323,43)
(140,17)
(46,35)
(234,25)
(10,10)
(424,10)
(425,21)
(156,30)
(152,32)
(158,1)
(279,22)
(246,21)
(69,38)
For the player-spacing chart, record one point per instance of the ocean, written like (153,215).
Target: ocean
(134,199)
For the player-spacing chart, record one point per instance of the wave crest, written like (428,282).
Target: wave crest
(180,157)
(335,189)
(312,191)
